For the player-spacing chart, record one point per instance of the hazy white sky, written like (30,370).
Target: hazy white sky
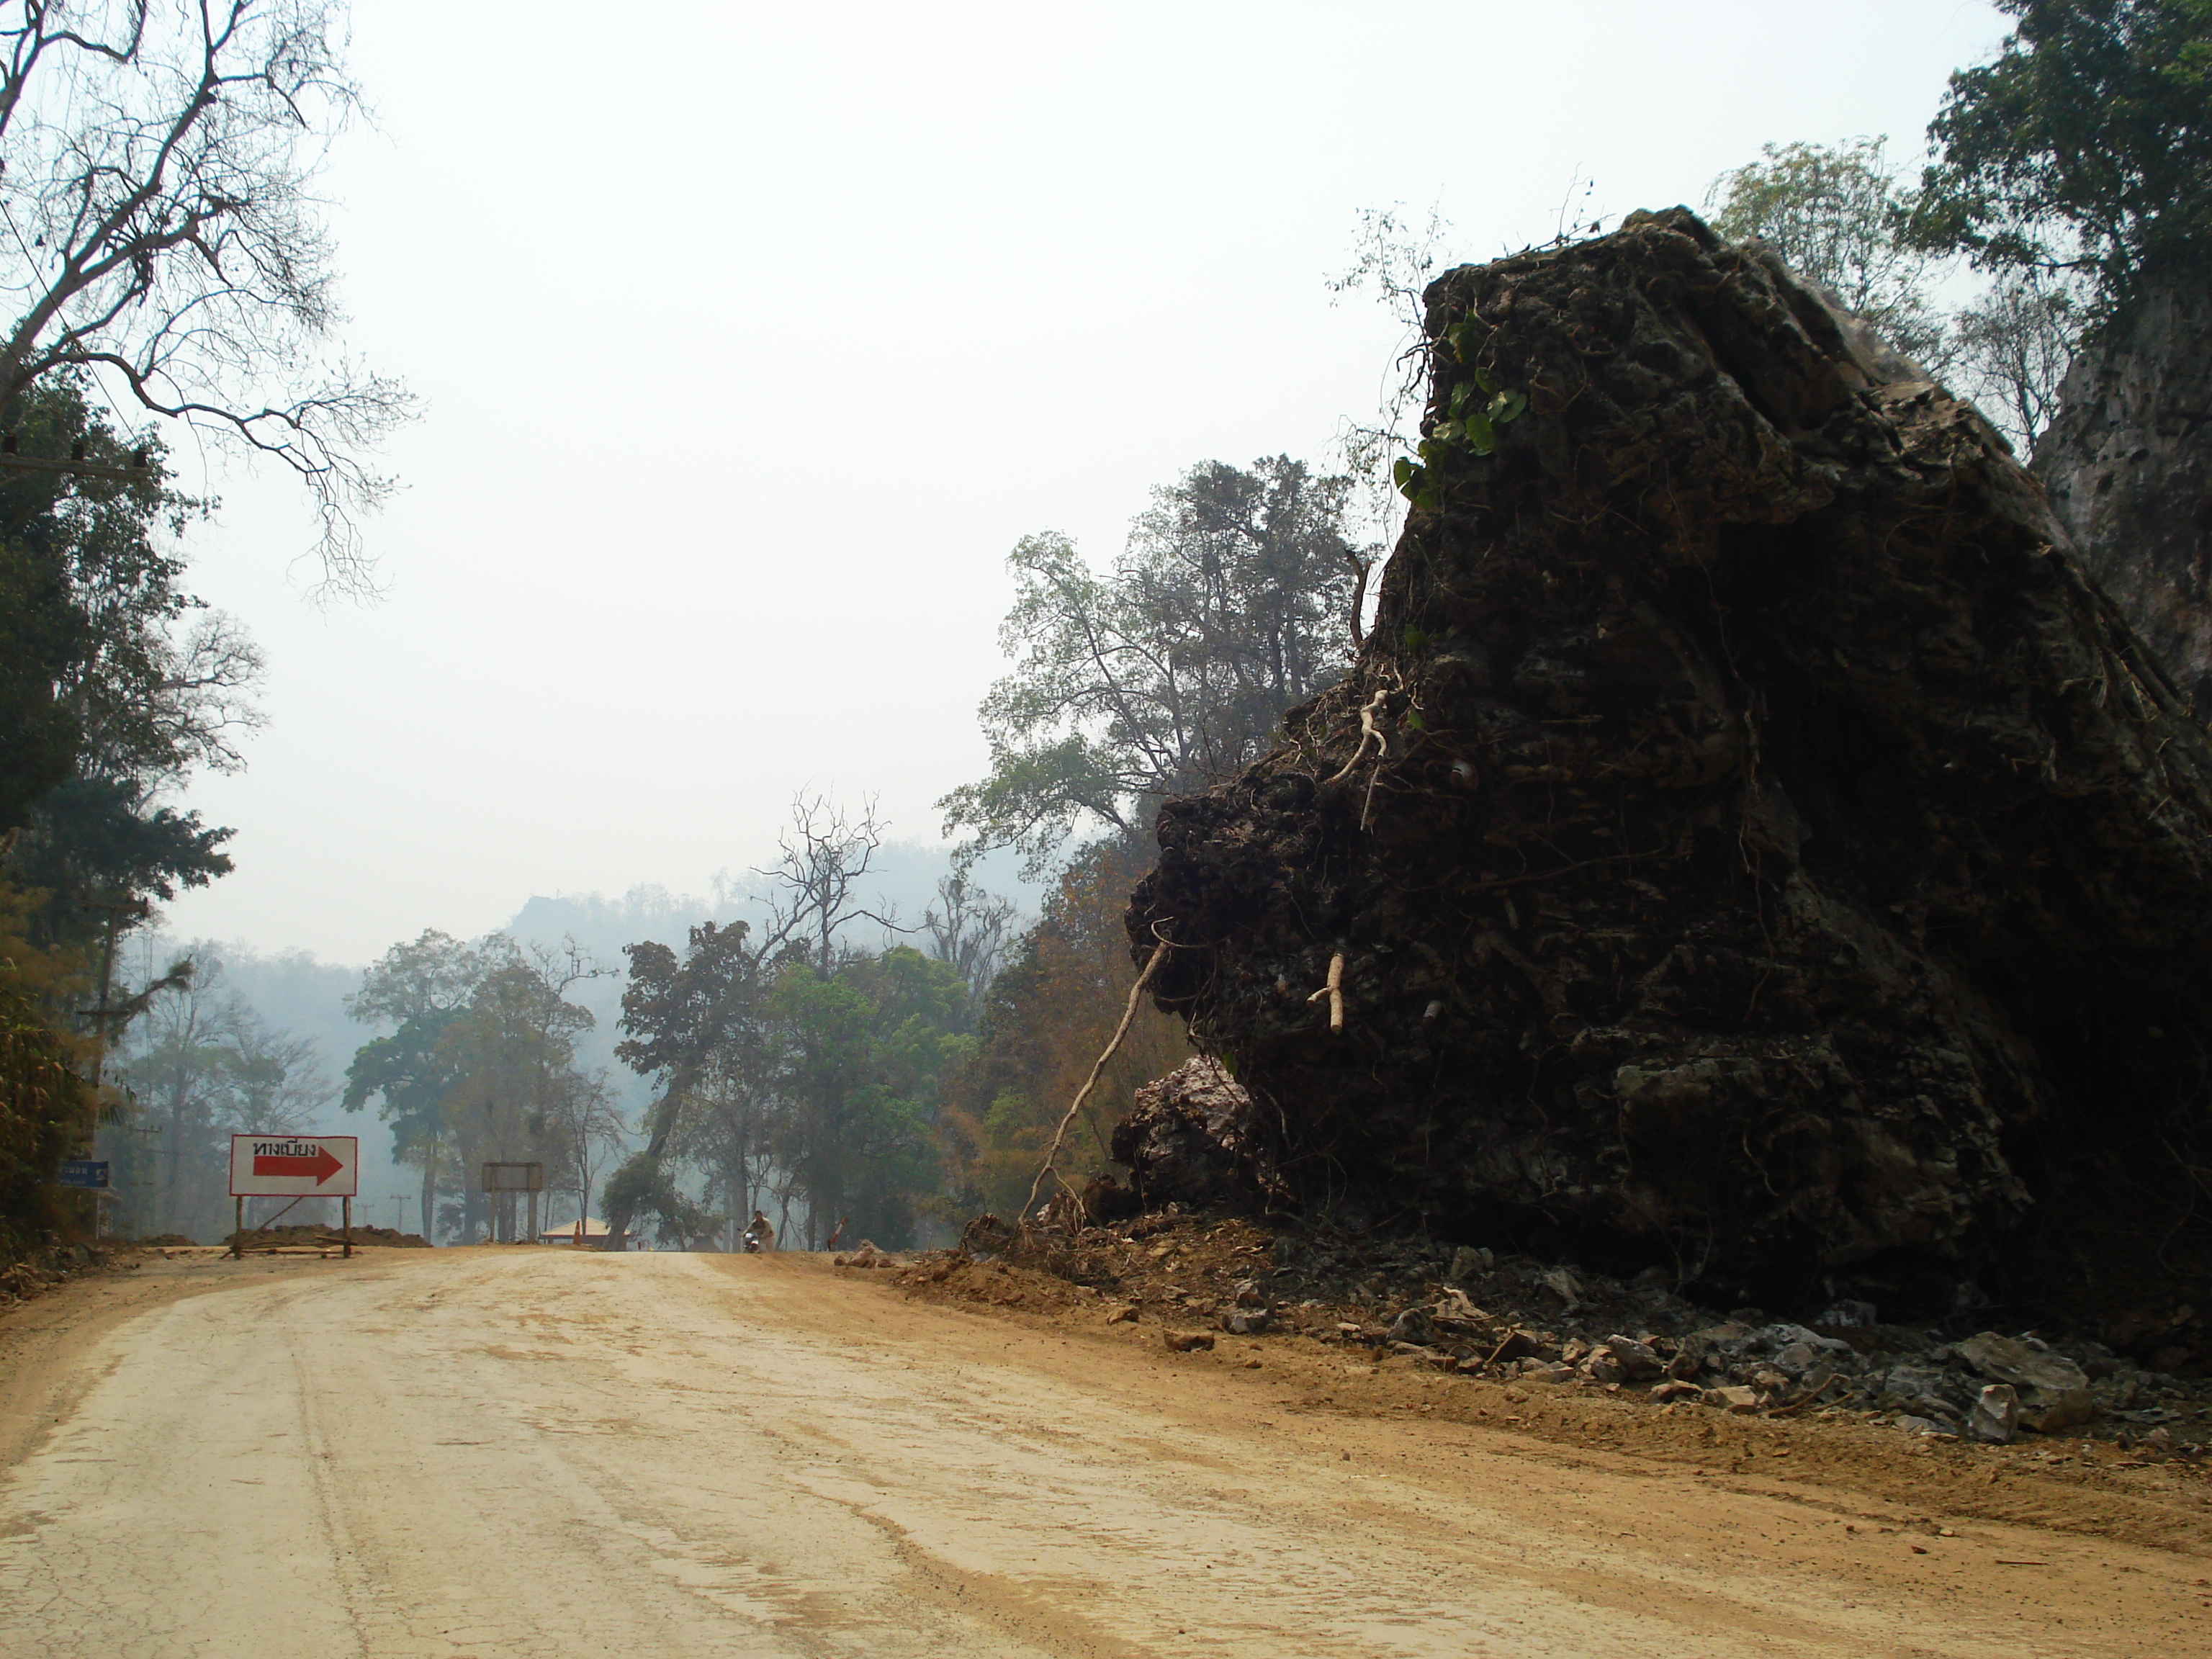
(750,338)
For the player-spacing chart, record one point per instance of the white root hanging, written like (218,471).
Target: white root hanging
(1369,733)
(1334,992)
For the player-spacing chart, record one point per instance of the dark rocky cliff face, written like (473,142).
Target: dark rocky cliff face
(2128,466)
(1780,861)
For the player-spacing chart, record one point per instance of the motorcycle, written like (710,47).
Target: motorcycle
(752,1243)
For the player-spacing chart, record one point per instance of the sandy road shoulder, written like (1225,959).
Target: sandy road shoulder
(46,1359)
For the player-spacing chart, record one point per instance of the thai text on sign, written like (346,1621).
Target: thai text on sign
(294,1166)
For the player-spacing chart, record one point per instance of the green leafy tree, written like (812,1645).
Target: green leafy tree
(645,1189)
(420,988)
(861,1057)
(481,1065)
(116,685)
(517,1093)
(1168,673)
(126,685)
(411,1076)
(44,1106)
(693,1023)
(2084,148)
(1832,212)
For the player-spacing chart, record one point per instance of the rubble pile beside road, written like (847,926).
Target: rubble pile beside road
(1462,1311)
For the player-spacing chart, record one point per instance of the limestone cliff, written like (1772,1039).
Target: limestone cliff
(2128,465)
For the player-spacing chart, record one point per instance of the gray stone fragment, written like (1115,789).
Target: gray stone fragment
(1849,1315)
(1996,1416)
(1602,1366)
(1411,1326)
(1926,1425)
(1467,1261)
(2054,1391)
(1637,1360)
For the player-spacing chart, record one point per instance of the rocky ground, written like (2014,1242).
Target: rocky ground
(316,1234)
(1465,1313)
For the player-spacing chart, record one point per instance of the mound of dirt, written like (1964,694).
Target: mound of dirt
(1748,844)
(312,1234)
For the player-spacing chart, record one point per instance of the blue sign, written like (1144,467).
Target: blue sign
(84,1172)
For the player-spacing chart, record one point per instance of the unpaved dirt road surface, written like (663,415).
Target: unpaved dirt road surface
(526,1452)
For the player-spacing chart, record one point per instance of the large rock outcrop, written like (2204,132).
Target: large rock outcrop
(1752,842)
(2128,466)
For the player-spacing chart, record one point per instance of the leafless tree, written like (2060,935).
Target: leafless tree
(826,853)
(158,230)
(189,705)
(2014,345)
(968,929)
(206,1065)
(583,1119)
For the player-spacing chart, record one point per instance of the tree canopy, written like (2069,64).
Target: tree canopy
(118,684)
(1832,212)
(481,1065)
(2085,147)
(1228,606)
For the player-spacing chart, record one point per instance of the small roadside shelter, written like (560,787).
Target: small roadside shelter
(588,1234)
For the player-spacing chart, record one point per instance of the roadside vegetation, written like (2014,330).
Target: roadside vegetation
(166,265)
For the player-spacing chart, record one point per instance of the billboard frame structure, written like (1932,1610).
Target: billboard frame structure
(498,1179)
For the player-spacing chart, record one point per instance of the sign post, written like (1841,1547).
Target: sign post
(86,1174)
(294,1167)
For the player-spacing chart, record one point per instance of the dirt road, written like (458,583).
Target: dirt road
(520,1453)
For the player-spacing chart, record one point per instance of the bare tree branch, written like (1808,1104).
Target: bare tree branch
(160,234)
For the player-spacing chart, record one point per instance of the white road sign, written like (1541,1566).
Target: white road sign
(294,1166)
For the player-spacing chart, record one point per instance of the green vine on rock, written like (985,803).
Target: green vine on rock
(1473,411)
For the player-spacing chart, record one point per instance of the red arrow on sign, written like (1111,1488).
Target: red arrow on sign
(322,1165)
